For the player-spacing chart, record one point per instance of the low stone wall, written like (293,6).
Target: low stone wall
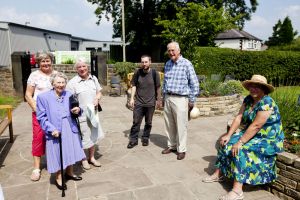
(110,70)
(287,186)
(67,69)
(6,81)
(211,106)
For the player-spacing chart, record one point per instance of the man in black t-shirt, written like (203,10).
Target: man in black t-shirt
(145,96)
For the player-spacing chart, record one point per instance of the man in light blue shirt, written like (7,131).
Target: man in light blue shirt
(180,89)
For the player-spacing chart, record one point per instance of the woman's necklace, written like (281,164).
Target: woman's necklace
(59,98)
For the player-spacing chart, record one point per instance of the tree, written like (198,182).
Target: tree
(140,23)
(195,25)
(283,33)
(286,33)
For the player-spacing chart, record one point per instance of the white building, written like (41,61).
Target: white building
(236,39)
(20,38)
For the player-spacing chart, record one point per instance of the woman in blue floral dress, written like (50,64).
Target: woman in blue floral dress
(249,148)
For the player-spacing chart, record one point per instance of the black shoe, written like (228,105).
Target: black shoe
(74,177)
(145,142)
(60,187)
(131,145)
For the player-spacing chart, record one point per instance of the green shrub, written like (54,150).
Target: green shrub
(230,87)
(211,87)
(274,65)
(123,68)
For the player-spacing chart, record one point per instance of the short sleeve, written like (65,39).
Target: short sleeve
(266,104)
(31,79)
(134,78)
(157,79)
(97,84)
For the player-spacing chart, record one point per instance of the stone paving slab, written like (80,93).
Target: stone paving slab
(141,173)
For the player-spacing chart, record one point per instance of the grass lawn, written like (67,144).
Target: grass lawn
(8,100)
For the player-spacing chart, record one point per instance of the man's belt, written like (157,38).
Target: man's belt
(174,94)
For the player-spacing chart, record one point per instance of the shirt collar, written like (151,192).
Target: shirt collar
(79,79)
(178,60)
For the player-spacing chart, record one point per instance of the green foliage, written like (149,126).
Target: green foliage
(192,28)
(140,24)
(209,88)
(231,87)
(274,65)
(294,46)
(68,61)
(217,88)
(286,99)
(123,68)
(295,148)
(110,61)
(8,100)
(283,33)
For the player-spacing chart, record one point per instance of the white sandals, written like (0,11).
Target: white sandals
(211,179)
(35,175)
(238,196)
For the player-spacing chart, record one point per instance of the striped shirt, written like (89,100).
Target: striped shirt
(180,78)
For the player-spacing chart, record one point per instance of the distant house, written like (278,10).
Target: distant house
(236,39)
(22,38)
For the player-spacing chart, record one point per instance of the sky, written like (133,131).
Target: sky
(77,17)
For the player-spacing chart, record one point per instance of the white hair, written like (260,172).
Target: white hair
(54,76)
(80,61)
(176,44)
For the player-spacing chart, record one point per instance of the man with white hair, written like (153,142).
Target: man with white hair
(180,88)
(88,90)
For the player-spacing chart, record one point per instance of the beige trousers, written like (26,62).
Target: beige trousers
(176,121)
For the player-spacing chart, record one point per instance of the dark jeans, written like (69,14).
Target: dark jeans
(138,113)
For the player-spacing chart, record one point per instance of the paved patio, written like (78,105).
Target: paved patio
(141,173)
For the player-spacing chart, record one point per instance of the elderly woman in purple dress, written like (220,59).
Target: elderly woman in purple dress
(54,116)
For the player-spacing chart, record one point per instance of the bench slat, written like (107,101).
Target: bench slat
(7,122)
(3,124)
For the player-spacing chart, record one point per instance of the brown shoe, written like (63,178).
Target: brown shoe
(168,150)
(180,156)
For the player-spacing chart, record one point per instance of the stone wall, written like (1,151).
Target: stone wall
(287,186)
(67,69)
(111,72)
(211,106)
(6,81)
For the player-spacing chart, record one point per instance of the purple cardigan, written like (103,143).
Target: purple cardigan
(50,112)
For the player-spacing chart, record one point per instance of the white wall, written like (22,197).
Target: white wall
(249,45)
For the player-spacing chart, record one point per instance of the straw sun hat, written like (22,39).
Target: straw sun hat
(258,79)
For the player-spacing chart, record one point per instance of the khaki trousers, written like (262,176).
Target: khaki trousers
(176,120)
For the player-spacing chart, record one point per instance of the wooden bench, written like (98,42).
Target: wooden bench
(7,122)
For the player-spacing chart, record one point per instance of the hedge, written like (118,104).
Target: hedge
(279,67)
